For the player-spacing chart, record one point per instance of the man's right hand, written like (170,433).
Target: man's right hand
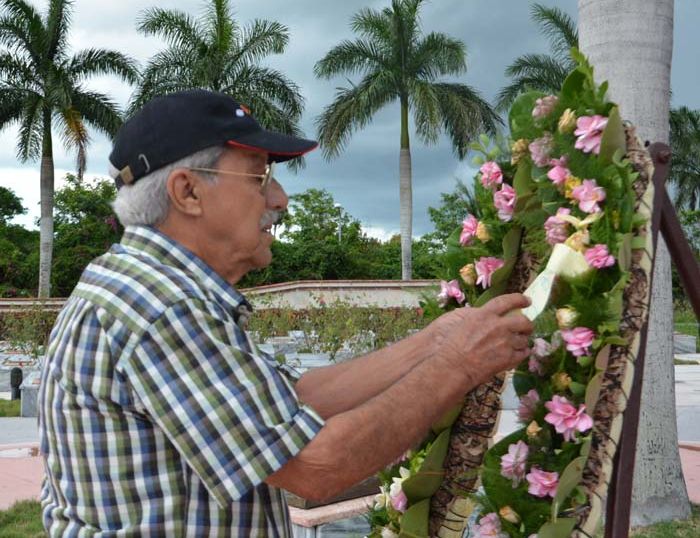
(480,342)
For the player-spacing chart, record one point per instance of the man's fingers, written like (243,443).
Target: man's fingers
(518,323)
(520,342)
(506,303)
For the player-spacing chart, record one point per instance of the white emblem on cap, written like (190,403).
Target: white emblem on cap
(145,162)
(240,113)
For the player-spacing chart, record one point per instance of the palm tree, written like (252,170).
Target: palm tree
(399,63)
(637,64)
(42,86)
(544,72)
(685,160)
(214,52)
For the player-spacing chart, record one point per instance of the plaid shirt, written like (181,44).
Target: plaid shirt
(157,415)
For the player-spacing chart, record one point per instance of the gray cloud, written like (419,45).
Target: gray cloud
(364,178)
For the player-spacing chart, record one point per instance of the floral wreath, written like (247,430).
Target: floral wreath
(564,209)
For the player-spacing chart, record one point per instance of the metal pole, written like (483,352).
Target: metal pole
(340,221)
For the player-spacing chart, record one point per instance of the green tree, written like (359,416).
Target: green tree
(544,72)
(216,53)
(685,157)
(42,87)
(453,208)
(10,205)
(85,228)
(399,63)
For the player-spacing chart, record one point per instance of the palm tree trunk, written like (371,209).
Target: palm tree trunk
(46,224)
(405,195)
(630,45)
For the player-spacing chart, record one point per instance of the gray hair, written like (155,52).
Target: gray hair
(146,202)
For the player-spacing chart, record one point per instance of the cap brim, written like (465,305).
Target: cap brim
(280,147)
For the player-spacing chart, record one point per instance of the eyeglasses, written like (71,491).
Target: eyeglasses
(264,178)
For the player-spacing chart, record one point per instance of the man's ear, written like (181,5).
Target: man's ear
(185,190)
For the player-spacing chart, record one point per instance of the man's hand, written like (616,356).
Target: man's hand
(481,342)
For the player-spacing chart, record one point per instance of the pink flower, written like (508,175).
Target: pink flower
(540,149)
(566,419)
(540,349)
(589,130)
(489,526)
(469,226)
(528,406)
(399,501)
(557,229)
(448,290)
(485,268)
(598,256)
(544,106)
(542,483)
(588,195)
(534,365)
(513,463)
(560,172)
(491,174)
(578,340)
(504,200)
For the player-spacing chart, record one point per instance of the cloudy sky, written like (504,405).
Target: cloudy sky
(364,179)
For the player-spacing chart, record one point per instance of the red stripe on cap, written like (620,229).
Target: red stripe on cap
(263,150)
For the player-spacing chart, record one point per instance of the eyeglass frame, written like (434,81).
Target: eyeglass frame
(264,178)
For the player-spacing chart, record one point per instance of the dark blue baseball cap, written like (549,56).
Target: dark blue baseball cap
(171,127)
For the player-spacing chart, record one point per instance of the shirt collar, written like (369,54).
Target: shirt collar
(146,240)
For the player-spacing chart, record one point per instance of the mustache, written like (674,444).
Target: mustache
(271,218)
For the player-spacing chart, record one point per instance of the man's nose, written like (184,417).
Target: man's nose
(277,198)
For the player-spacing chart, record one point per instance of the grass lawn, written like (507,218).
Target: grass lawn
(684,320)
(23,520)
(674,529)
(9,408)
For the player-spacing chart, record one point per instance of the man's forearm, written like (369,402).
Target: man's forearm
(356,443)
(340,387)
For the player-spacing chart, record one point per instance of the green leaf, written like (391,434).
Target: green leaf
(478,160)
(601,360)
(624,254)
(615,340)
(522,182)
(520,115)
(613,138)
(561,528)
(447,419)
(511,242)
(522,382)
(494,291)
(593,391)
(573,85)
(414,521)
(485,140)
(569,479)
(578,389)
(427,480)
(638,243)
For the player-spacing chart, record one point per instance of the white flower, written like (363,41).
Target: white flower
(395,488)
(388,533)
(382,499)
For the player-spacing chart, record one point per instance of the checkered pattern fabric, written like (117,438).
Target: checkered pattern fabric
(158,416)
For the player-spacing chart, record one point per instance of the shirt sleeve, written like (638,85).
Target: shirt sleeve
(227,410)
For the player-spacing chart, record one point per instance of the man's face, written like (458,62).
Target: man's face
(238,215)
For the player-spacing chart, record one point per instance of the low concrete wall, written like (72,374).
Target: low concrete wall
(298,294)
(312,293)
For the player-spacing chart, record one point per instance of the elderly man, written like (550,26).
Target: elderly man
(158,415)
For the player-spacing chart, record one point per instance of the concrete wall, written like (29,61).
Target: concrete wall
(305,294)
(300,294)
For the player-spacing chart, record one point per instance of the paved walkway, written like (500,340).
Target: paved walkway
(21,467)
